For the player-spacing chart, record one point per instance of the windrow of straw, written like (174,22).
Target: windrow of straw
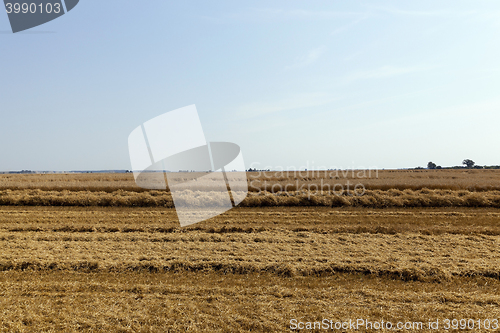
(118,198)
(371,199)
(424,274)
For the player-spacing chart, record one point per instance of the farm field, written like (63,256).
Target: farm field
(446,179)
(126,266)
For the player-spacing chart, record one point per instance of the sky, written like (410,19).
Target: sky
(296,84)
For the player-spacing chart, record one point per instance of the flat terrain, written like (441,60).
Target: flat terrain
(448,179)
(134,268)
(125,268)
(210,302)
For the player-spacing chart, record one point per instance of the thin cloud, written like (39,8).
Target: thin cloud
(426,13)
(311,57)
(252,14)
(304,14)
(349,26)
(487,109)
(411,12)
(300,101)
(384,72)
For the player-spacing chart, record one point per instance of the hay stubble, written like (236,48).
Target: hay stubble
(98,267)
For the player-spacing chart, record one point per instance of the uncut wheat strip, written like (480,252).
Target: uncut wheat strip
(371,199)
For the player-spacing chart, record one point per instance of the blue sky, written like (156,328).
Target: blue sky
(296,84)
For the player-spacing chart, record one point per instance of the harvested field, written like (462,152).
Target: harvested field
(62,301)
(285,242)
(85,260)
(447,179)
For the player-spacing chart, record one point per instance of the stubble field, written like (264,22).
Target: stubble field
(398,254)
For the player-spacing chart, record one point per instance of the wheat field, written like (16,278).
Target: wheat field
(94,253)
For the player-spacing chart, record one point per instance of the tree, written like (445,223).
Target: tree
(431,165)
(469,163)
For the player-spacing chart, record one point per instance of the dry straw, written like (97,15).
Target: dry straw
(371,199)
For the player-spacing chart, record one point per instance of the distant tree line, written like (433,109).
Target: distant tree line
(467,164)
(22,171)
(255,170)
